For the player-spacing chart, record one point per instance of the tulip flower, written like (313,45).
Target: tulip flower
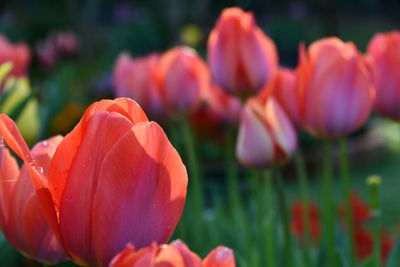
(21,217)
(365,244)
(361,212)
(242,58)
(334,88)
(18,54)
(177,254)
(114,179)
(266,135)
(183,78)
(135,78)
(383,55)
(297,224)
(283,88)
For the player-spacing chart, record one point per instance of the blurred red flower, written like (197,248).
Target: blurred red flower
(297,224)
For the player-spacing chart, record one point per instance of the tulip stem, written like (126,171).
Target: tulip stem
(344,169)
(283,210)
(232,171)
(271,227)
(305,196)
(195,183)
(328,203)
(374,183)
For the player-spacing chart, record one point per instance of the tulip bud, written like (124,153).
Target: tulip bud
(114,179)
(18,54)
(383,54)
(176,254)
(334,89)
(135,78)
(224,107)
(266,135)
(283,88)
(242,58)
(21,217)
(183,78)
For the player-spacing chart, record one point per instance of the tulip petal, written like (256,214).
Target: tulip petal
(9,172)
(190,258)
(140,194)
(102,131)
(220,257)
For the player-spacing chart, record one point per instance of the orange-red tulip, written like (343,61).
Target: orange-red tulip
(183,79)
(21,217)
(242,58)
(334,88)
(18,54)
(114,179)
(384,58)
(135,78)
(283,88)
(177,254)
(266,135)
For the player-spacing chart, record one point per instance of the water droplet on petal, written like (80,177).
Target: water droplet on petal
(45,143)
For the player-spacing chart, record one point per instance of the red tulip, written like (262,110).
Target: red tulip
(283,88)
(266,135)
(176,254)
(114,179)
(361,212)
(384,58)
(135,78)
(242,58)
(183,79)
(21,218)
(335,90)
(18,54)
(364,244)
(297,224)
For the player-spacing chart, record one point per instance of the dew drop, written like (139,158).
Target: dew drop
(45,143)
(40,169)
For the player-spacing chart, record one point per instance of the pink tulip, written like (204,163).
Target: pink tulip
(242,58)
(283,88)
(183,79)
(135,78)
(21,217)
(335,92)
(384,57)
(18,54)
(114,179)
(266,135)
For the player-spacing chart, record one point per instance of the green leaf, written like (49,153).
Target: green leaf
(4,70)
(394,256)
(14,114)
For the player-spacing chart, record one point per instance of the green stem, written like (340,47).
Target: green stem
(344,169)
(232,171)
(271,226)
(374,182)
(283,210)
(195,183)
(305,196)
(328,204)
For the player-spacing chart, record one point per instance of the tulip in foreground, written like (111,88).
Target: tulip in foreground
(135,78)
(384,57)
(242,58)
(176,254)
(183,78)
(266,135)
(21,218)
(335,92)
(114,179)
